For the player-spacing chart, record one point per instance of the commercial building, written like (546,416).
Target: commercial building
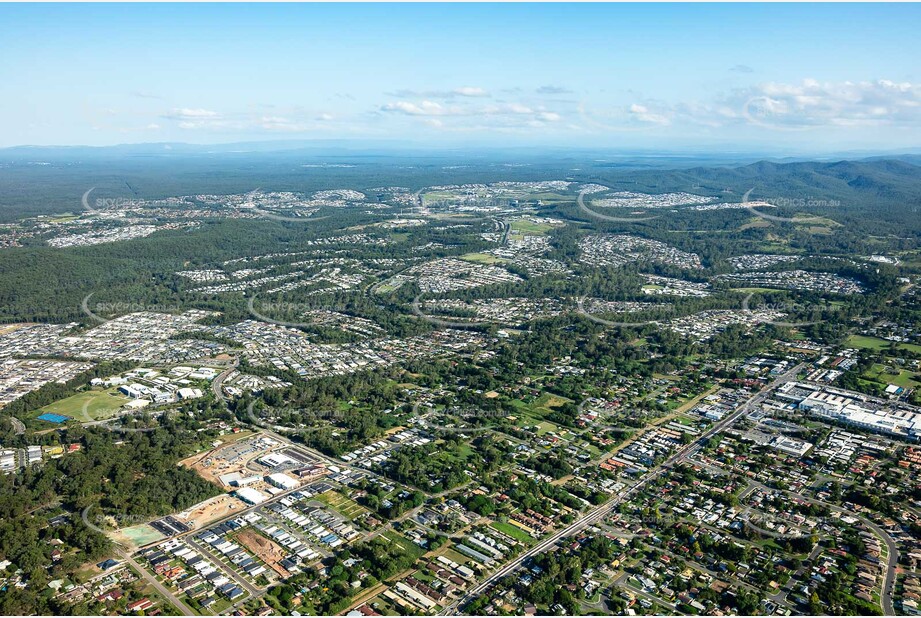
(282,481)
(250,495)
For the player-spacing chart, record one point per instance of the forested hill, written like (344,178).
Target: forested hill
(843,180)
(882,188)
(884,179)
(887,191)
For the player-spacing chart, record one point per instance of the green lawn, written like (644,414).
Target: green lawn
(98,404)
(535,412)
(875,343)
(408,546)
(513,531)
(480,258)
(524,226)
(342,504)
(905,379)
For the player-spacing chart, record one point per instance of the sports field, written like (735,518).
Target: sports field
(90,405)
(138,536)
(874,343)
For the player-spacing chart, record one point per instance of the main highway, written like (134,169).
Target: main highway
(599,513)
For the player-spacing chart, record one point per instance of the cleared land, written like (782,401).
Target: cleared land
(339,503)
(480,258)
(524,226)
(268,551)
(513,531)
(137,536)
(99,404)
(875,343)
(211,510)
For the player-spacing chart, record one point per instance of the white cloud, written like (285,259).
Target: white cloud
(185,113)
(423,108)
(463,91)
(812,103)
(643,114)
(470,91)
(496,116)
(785,106)
(291,120)
(550,89)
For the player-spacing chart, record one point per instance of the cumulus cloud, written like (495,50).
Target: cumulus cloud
(423,108)
(550,89)
(473,116)
(463,91)
(794,106)
(186,113)
(643,114)
(499,115)
(291,120)
(784,106)
(813,103)
(470,91)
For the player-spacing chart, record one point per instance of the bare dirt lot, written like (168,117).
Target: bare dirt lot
(267,551)
(211,510)
(232,455)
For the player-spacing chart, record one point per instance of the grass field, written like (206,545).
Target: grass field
(457,557)
(905,379)
(64,217)
(98,404)
(341,504)
(524,226)
(400,540)
(751,290)
(513,531)
(534,413)
(480,258)
(388,286)
(874,343)
(140,535)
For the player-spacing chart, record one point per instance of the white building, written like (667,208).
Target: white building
(282,481)
(250,495)
(189,393)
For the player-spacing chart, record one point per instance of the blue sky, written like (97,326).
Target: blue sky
(790,76)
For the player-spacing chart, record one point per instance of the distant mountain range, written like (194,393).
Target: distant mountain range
(370,148)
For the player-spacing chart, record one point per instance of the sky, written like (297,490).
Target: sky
(789,77)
